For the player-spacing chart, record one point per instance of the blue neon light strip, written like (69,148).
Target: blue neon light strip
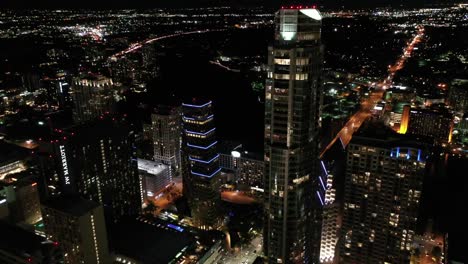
(202,134)
(200,147)
(419,155)
(342,144)
(189,118)
(204,161)
(323,185)
(324,169)
(178,228)
(197,106)
(320,198)
(398,152)
(204,175)
(408,154)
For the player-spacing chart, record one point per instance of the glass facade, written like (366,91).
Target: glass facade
(292,108)
(383,186)
(202,162)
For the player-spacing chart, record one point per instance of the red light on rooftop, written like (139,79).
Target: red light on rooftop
(29,259)
(56,243)
(65,138)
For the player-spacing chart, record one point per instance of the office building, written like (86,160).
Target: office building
(78,226)
(383,188)
(458,95)
(247,166)
(154,177)
(201,150)
(93,96)
(292,111)
(166,124)
(19,246)
(98,161)
(19,192)
(434,123)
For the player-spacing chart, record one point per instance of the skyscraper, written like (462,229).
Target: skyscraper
(77,225)
(97,160)
(92,96)
(166,123)
(292,110)
(202,177)
(383,187)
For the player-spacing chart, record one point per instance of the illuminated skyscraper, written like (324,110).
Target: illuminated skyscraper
(97,160)
(292,110)
(77,226)
(92,96)
(166,123)
(203,170)
(383,187)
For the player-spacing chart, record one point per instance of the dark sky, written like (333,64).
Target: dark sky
(92,4)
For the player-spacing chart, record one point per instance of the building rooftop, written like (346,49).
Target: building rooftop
(11,153)
(377,134)
(71,205)
(149,241)
(151,167)
(17,240)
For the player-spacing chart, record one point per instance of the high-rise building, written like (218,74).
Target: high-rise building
(154,177)
(292,111)
(434,123)
(98,161)
(92,96)
(166,124)
(78,226)
(19,191)
(247,166)
(458,95)
(203,172)
(383,187)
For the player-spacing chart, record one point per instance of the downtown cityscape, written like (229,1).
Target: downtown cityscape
(233,132)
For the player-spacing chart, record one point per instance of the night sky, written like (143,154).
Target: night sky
(92,4)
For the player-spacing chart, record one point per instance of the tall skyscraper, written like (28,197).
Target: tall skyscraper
(98,161)
(77,225)
(292,110)
(203,172)
(92,96)
(166,123)
(383,186)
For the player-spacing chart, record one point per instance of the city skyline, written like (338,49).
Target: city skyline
(108,4)
(233,132)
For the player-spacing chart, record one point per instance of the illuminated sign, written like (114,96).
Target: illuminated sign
(64,164)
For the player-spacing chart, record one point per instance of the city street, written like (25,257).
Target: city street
(244,255)
(346,133)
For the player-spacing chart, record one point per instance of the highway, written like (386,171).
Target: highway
(346,133)
(138,45)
